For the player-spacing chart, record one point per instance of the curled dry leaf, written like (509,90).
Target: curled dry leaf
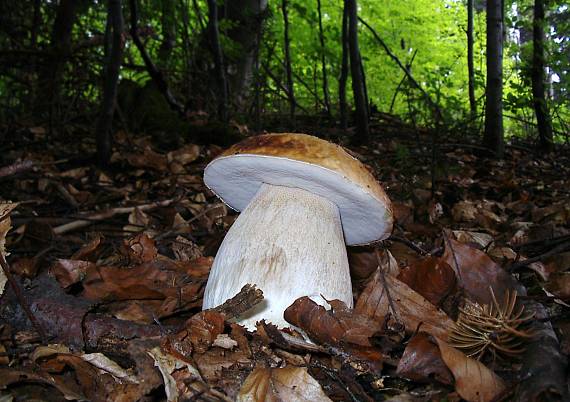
(288,384)
(385,294)
(69,272)
(140,249)
(422,361)
(476,271)
(176,374)
(473,380)
(331,327)
(431,277)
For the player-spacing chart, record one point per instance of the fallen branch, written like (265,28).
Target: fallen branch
(89,219)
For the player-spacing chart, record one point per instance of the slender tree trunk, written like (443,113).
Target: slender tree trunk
(168,33)
(50,75)
(115,55)
(326,96)
(538,78)
(218,59)
(288,71)
(343,70)
(362,130)
(245,19)
(470,55)
(494,138)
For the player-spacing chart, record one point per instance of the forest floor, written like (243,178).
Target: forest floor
(112,265)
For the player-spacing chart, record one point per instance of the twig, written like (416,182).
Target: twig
(16,168)
(556,250)
(22,299)
(409,243)
(88,220)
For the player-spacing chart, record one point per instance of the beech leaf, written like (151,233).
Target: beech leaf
(288,384)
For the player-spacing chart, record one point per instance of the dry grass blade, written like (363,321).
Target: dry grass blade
(492,328)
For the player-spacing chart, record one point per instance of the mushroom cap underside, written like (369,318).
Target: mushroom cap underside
(309,163)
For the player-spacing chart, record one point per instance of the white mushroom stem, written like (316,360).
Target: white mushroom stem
(289,242)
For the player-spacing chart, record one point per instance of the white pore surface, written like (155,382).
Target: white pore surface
(289,243)
(237,178)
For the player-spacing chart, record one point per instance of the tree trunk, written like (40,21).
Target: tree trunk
(246,22)
(60,50)
(343,70)
(326,96)
(538,78)
(218,59)
(362,130)
(111,72)
(470,66)
(494,138)
(288,71)
(168,33)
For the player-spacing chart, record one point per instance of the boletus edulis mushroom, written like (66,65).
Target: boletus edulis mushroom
(301,200)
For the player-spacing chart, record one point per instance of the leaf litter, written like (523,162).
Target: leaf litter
(111,268)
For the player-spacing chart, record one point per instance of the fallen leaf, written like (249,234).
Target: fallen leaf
(331,327)
(69,272)
(422,361)
(288,384)
(431,277)
(476,272)
(473,380)
(559,285)
(385,293)
(140,249)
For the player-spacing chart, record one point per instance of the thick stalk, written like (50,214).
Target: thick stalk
(289,243)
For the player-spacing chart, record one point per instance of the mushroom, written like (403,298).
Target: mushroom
(301,198)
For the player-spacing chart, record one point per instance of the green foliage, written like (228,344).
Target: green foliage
(432,32)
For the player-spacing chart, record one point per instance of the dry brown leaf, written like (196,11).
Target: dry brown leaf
(476,271)
(411,308)
(69,272)
(288,384)
(140,249)
(422,361)
(481,239)
(331,327)
(473,380)
(431,277)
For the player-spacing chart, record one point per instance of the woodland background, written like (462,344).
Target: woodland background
(110,110)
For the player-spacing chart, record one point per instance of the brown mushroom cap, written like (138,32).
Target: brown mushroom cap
(310,163)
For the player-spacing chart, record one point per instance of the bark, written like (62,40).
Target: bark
(470,55)
(494,138)
(218,59)
(288,71)
(538,79)
(60,50)
(326,97)
(359,93)
(246,19)
(168,33)
(115,55)
(343,70)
